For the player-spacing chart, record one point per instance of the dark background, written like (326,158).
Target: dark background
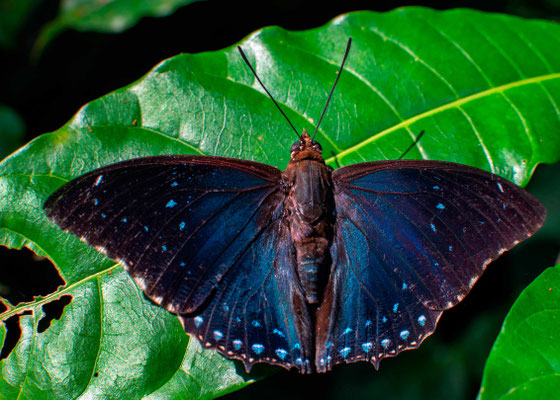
(78,67)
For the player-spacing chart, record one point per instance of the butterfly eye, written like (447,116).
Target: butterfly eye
(317,146)
(295,147)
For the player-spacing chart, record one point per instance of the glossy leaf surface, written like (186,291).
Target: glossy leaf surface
(486,89)
(525,360)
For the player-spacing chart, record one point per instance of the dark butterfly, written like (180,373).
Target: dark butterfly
(305,268)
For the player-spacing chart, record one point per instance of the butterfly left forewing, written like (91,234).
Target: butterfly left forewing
(412,236)
(170,220)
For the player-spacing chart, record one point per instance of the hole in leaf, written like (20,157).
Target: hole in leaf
(96,374)
(53,310)
(13,333)
(26,275)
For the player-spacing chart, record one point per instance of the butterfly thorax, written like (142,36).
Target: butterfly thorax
(309,209)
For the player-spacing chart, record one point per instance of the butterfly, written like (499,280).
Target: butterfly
(306,268)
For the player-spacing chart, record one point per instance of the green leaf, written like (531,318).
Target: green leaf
(12,130)
(111,342)
(525,360)
(2,334)
(112,16)
(484,87)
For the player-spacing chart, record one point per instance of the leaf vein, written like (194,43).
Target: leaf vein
(415,57)
(479,138)
(454,104)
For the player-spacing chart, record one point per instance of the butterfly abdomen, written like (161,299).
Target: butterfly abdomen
(312,255)
(310,209)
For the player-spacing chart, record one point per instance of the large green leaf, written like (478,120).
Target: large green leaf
(485,88)
(109,16)
(525,360)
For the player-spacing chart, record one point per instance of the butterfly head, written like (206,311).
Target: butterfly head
(306,148)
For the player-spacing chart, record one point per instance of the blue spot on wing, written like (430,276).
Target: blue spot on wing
(98,180)
(257,348)
(366,347)
(347,330)
(345,351)
(281,353)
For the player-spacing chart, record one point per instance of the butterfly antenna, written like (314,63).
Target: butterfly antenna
(412,145)
(334,85)
(266,90)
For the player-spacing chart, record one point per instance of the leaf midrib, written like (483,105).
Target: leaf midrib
(454,104)
(57,294)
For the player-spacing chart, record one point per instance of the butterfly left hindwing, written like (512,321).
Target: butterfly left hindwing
(258,312)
